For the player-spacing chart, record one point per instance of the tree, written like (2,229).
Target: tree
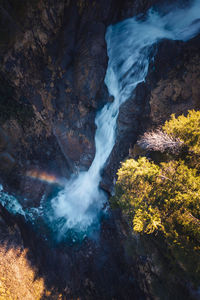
(164,199)
(155,198)
(187,129)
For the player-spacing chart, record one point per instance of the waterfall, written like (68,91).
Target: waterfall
(130,46)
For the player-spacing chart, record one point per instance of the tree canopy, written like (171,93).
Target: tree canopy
(164,198)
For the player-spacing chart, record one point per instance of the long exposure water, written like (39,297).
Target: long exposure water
(130,49)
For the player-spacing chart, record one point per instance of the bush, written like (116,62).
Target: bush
(159,140)
(187,129)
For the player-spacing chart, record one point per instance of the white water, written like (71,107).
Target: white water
(129,46)
(130,50)
(10,202)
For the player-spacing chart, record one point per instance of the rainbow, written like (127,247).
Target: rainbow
(44,176)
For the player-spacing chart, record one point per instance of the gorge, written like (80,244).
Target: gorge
(80,141)
(130,46)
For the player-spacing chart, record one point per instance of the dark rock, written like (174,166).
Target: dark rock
(58,63)
(174,84)
(4,141)
(131,121)
(6,161)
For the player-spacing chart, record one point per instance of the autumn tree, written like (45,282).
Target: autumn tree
(164,199)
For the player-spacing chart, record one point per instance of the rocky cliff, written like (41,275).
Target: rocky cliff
(53,62)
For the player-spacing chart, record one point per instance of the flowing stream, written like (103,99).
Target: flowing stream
(130,49)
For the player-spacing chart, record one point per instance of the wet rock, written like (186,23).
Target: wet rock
(130,122)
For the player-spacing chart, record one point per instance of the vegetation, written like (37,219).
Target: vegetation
(163,199)
(17,278)
(187,129)
(159,140)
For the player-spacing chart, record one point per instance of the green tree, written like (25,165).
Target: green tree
(160,198)
(164,199)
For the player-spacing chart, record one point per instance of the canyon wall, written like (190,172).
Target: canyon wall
(53,64)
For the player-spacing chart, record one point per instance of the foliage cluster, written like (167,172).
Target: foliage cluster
(164,199)
(187,129)
(161,198)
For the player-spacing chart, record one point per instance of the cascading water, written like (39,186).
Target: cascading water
(130,50)
(129,46)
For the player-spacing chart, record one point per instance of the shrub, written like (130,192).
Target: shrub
(187,129)
(176,133)
(159,140)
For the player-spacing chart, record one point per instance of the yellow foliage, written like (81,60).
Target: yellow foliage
(164,199)
(17,278)
(186,128)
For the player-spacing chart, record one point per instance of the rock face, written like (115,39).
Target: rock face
(53,66)
(174,83)
(53,62)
